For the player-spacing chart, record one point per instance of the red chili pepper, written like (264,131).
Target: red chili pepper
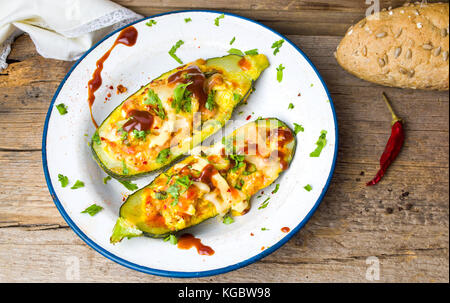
(393,146)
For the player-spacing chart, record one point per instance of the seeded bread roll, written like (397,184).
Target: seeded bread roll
(403,47)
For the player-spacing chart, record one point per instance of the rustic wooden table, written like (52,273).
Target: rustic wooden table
(403,221)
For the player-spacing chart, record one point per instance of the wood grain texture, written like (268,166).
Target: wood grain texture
(403,221)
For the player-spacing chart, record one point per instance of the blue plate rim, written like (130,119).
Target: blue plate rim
(180,274)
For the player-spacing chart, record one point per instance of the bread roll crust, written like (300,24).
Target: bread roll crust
(405,47)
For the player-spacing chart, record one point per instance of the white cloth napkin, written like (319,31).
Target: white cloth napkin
(60,29)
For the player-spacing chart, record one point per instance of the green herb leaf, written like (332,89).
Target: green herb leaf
(239,161)
(92,210)
(78,184)
(129,185)
(184,181)
(227,219)
(174,49)
(62,108)
(140,134)
(264,204)
(106,179)
(179,94)
(235,51)
(172,239)
(96,138)
(150,22)
(291,106)
(277,187)
(216,21)
(239,184)
(174,191)
(308,187)
(232,40)
(298,128)
(125,170)
(264,229)
(161,195)
(153,99)
(187,20)
(321,142)
(63,179)
(280,69)
(277,45)
(209,105)
(236,97)
(252,52)
(163,156)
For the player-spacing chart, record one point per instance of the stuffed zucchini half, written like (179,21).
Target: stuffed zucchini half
(175,112)
(214,180)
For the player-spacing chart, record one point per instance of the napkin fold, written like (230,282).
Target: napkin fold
(60,29)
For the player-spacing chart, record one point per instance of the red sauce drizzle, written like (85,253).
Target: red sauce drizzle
(285,229)
(126,37)
(206,176)
(140,120)
(192,74)
(187,241)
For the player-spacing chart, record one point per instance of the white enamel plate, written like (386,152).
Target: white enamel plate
(250,237)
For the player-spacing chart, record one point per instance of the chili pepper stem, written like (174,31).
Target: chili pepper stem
(395,118)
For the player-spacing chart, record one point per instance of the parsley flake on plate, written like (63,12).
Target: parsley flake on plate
(78,184)
(264,204)
(150,22)
(291,106)
(63,179)
(129,185)
(277,187)
(106,179)
(174,49)
(62,108)
(280,69)
(232,40)
(172,239)
(298,128)
(216,21)
(277,45)
(321,142)
(92,210)
(228,220)
(187,20)
(308,187)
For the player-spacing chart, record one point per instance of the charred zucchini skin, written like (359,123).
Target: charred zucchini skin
(124,177)
(131,207)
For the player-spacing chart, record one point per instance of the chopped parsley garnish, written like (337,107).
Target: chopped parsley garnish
(92,210)
(96,138)
(123,134)
(232,40)
(216,21)
(181,97)
(239,161)
(252,52)
(280,69)
(78,184)
(140,134)
(298,128)
(264,229)
(227,219)
(106,179)
(150,22)
(174,49)
(321,142)
(264,204)
(291,106)
(308,187)
(153,99)
(163,156)
(277,187)
(236,97)
(235,51)
(63,179)
(129,185)
(209,105)
(187,20)
(174,191)
(250,169)
(172,239)
(161,195)
(239,184)
(62,108)
(184,181)
(277,45)
(125,170)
